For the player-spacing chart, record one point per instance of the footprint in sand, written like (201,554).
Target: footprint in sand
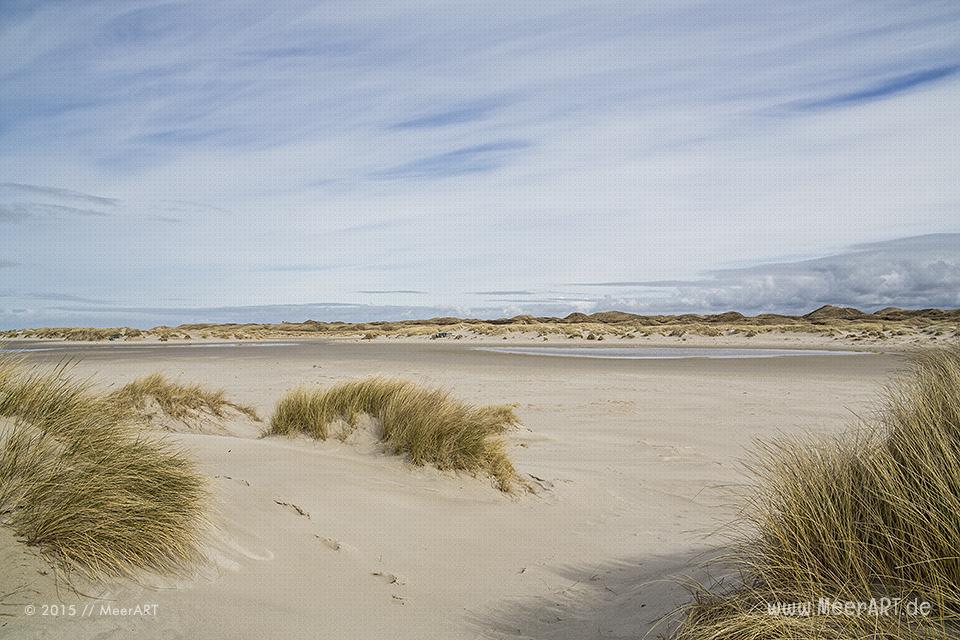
(543,483)
(390,578)
(335,545)
(289,505)
(330,543)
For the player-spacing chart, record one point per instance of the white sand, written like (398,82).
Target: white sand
(632,455)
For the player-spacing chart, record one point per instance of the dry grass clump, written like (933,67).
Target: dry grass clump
(865,516)
(184,402)
(425,424)
(86,487)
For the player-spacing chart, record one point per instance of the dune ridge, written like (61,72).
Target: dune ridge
(827,320)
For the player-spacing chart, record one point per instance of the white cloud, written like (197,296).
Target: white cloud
(913,272)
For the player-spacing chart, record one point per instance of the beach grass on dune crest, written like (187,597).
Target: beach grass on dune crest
(869,515)
(178,400)
(427,425)
(86,486)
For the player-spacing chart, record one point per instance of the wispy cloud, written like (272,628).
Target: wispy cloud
(506,292)
(28,202)
(12,214)
(369,227)
(57,192)
(181,136)
(305,267)
(51,297)
(638,283)
(188,206)
(390,291)
(883,89)
(18,212)
(458,114)
(473,159)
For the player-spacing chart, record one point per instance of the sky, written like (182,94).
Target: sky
(164,163)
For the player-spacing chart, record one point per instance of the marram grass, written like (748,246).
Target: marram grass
(856,518)
(427,425)
(87,487)
(180,401)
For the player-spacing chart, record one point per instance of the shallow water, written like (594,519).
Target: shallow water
(666,353)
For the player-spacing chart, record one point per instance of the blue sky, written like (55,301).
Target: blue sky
(165,162)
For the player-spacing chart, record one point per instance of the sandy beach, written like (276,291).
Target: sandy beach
(632,461)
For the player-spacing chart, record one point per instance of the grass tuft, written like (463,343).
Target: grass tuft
(427,425)
(184,402)
(871,514)
(85,486)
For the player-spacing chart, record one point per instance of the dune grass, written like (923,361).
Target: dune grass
(83,484)
(427,425)
(872,514)
(180,401)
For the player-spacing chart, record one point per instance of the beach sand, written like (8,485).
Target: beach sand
(633,461)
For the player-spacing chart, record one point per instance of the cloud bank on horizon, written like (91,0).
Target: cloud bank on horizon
(917,272)
(167,162)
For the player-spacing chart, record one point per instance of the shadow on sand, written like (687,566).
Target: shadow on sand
(630,598)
